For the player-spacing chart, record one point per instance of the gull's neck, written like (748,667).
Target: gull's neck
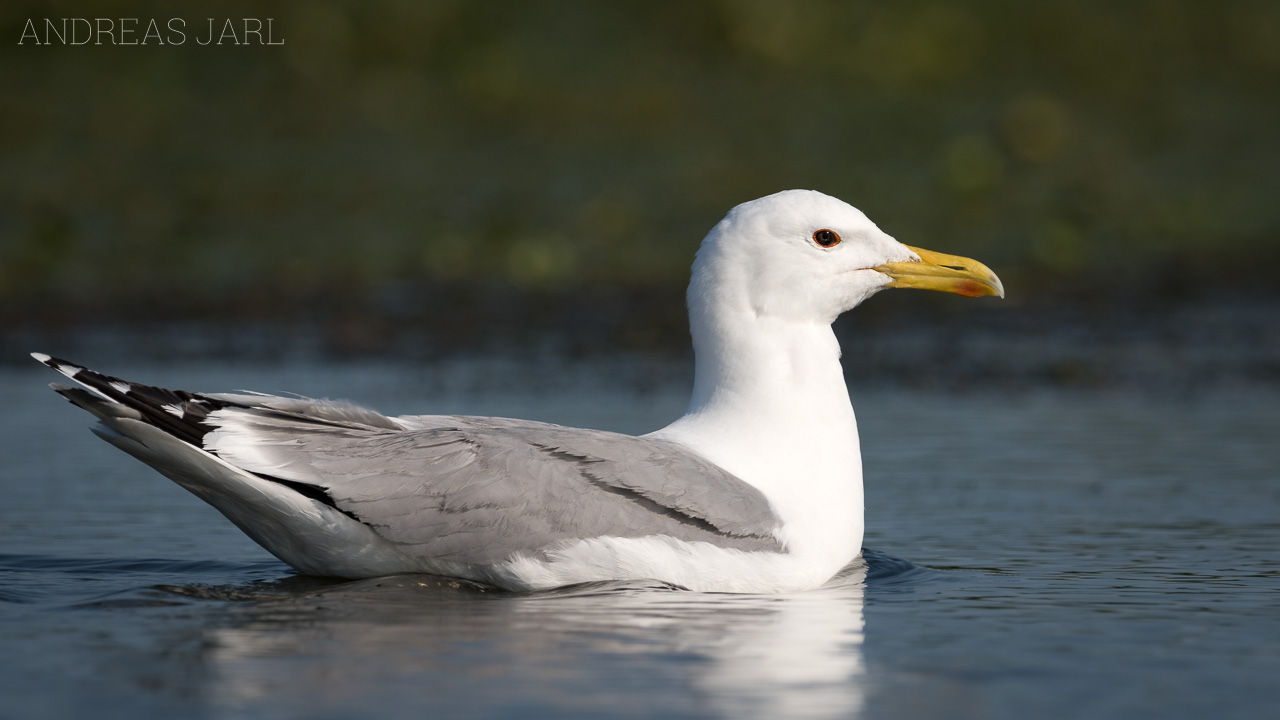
(761,376)
(770,405)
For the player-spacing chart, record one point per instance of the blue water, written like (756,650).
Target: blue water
(1046,554)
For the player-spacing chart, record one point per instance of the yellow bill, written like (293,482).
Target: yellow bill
(947,273)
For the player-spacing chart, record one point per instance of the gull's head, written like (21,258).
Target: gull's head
(803,255)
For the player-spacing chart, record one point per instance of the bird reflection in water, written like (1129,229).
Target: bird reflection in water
(617,648)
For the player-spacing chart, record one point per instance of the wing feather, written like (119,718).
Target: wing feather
(480,490)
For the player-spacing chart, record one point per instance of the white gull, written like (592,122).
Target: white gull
(756,488)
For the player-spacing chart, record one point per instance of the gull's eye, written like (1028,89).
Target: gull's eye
(826,238)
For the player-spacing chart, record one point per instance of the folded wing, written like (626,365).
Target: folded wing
(457,490)
(478,490)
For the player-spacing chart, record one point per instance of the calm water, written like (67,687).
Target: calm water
(1044,555)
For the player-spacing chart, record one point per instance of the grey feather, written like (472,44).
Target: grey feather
(479,490)
(335,412)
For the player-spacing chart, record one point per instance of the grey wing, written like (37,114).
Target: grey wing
(478,490)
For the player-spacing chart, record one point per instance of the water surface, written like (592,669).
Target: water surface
(1045,554)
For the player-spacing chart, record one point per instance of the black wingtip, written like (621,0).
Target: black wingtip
(177,412)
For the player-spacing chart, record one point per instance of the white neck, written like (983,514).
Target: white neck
(770,406)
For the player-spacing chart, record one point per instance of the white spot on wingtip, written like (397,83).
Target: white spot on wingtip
(41,357)
(173,409)
(121,386)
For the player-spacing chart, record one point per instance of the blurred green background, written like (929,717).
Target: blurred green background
(503,169)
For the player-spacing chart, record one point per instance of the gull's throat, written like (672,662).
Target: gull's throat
(770,405)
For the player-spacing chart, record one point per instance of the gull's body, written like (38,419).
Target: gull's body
(756,488)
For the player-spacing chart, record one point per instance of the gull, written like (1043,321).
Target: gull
(756,488)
